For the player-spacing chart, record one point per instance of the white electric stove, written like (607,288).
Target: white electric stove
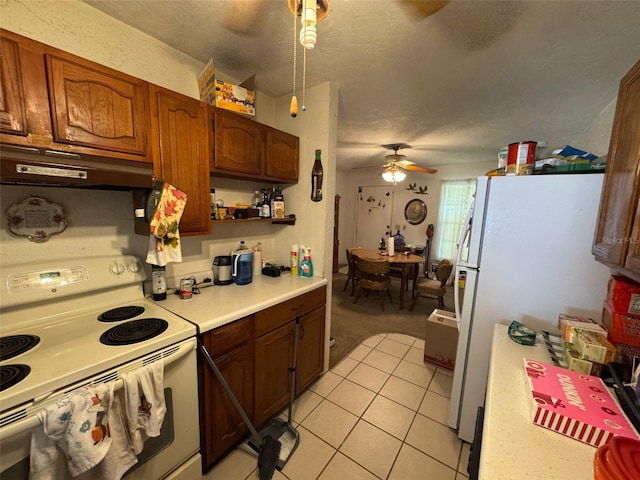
(65,324)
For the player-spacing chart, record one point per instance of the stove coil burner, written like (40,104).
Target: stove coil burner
(12,374)
(13,345)
(134,331)
(120,313)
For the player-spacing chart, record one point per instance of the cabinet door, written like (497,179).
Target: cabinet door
(273,358)
(12,108)
(238,145)
(282,156)
(180,137)
(97,107)
(616,242)
(222,427)
(310,349)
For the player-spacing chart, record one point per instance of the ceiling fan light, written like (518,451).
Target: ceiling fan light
(393,175)
(308,35)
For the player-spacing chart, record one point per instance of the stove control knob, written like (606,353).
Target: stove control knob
(116,269)
(133,266)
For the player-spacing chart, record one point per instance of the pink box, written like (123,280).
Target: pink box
(574,404)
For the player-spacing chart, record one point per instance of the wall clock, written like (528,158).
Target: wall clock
(415,211)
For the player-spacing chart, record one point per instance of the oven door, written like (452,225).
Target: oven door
(173,455)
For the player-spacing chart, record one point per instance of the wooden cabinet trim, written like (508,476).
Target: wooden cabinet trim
(13,117)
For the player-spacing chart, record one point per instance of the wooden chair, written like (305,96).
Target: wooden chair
(397,271)
(352,274)
(428,287)
(373,275)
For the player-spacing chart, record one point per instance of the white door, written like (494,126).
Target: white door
(373,214)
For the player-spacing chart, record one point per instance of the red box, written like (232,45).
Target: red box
(621,328)
(624,296)
(574,404)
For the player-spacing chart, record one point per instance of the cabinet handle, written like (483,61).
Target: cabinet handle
(299,307)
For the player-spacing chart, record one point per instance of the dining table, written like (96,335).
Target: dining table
(408,262)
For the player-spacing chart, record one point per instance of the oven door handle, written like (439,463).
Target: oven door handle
(32,419)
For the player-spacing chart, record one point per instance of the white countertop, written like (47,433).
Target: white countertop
(221,304)
(512,446)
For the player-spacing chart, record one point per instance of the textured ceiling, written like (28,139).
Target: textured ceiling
(457,85)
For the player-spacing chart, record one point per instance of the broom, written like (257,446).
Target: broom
(268,448)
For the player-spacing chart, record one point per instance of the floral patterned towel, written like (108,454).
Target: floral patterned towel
(164,242)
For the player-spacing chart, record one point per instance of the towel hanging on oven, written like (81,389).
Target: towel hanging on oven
(164,241)
(87,426)
(145,406)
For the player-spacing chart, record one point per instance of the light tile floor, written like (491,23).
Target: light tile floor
(378,414)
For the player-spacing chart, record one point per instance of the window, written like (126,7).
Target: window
(455,200)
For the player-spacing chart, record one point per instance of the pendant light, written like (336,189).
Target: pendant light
(310,12)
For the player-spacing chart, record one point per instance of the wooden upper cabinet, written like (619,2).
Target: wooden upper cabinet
(237,149)
(97,107)
(13,117)
(282,155)
(180,142)
(617,242)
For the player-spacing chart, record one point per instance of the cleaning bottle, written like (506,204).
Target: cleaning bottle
(306,266)
(294,259)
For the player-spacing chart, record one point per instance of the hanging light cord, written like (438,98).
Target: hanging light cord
(304,78)
(295,51)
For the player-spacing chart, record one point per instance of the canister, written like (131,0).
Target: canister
(521,157)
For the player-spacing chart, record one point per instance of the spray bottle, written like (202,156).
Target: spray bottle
(306,266)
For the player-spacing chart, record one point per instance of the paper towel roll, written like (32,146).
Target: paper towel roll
(390,245)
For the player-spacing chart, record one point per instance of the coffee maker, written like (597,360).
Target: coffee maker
(222,270)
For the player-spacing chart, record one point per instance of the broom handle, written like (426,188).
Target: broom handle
(233,398)
(293,368)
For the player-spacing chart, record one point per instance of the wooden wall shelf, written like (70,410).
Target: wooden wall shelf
(275,221)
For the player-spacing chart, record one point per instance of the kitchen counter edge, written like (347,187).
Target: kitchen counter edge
(222,304)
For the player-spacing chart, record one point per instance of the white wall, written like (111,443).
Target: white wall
(94,229)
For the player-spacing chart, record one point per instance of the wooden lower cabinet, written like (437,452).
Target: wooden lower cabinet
(273,357)
(274,350)
(254,355)
(221,426)
(310,349)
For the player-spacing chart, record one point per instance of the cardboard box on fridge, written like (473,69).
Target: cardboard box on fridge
(594,347)
(577,364)
(622,328)
(624,296)
(441,339)
(574,404)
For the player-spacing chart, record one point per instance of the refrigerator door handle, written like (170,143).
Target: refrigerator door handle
(466,229)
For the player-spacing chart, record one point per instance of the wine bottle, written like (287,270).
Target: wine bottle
(316,179)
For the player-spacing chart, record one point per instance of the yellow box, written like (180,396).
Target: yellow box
(206,80)
(594,347)
(234,97)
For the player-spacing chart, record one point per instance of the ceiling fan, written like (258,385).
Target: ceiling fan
(243,16)
(395,164)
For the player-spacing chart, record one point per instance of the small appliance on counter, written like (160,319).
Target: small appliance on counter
(242,266)
(222,270)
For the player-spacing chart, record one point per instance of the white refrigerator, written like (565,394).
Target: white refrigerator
(526,252)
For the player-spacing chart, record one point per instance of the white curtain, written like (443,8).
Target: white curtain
(455,200)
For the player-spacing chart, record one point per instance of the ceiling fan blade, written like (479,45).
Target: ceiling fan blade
(424,8)
(417,168)
(242,16)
